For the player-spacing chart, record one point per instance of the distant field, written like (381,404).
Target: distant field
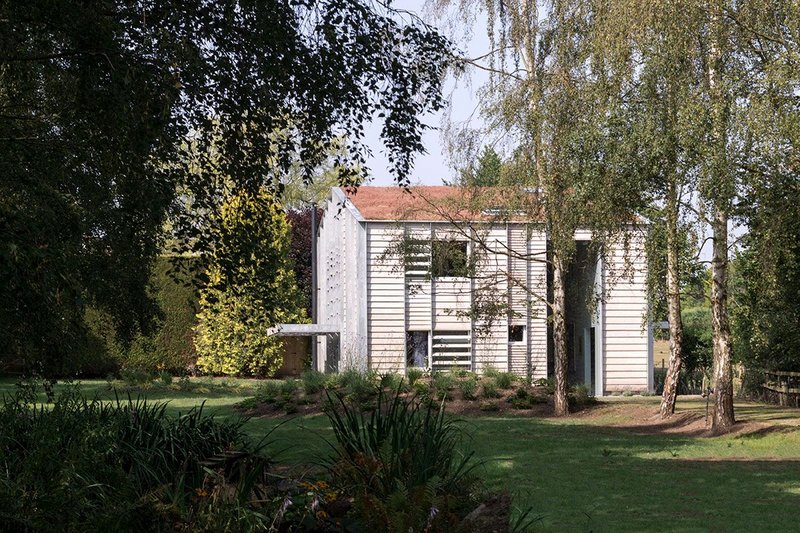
(610,468)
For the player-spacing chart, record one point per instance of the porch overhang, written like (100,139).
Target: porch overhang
(302,330)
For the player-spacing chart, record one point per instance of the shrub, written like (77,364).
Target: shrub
(135,377)
(549,384)
(165,377)
(580,395)
(522,399)
(421,389)
(251,287)
(394,381)
(288,388)
(468,388)
(489,406)
(168,346)
(399,461)
(489,388)
(504,380)
(443,382)
(413,374)
(269,391)
(123,465)
(490,371)
(313,381)
(358,385)
(459,372)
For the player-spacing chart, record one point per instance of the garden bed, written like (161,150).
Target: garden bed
(462,392)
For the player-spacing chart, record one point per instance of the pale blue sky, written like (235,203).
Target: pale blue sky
(432,167)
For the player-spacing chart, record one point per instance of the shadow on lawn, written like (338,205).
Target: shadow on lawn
(601,478)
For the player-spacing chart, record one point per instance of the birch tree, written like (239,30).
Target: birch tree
(548,99)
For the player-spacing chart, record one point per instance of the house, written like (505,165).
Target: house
(421,277)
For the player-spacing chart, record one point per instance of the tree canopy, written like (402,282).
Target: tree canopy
(97,100)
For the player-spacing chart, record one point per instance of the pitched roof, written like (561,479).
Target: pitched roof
(438,202)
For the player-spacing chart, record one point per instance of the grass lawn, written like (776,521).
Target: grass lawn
(584,473)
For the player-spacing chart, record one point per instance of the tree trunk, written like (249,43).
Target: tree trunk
(560,337)
(721,192)
(722,378)
(673,307)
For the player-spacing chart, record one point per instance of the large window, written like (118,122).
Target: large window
(417,349)
(449,259)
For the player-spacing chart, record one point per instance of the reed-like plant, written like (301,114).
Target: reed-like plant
(93,465)
(403,441)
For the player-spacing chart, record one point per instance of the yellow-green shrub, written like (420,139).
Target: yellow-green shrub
(251,287)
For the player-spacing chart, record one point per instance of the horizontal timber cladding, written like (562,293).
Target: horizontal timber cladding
(385,298)
(451,349)
(490,287)
(537,301)
(626,338)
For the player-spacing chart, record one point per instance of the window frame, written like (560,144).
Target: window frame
(524,329)
(461,271)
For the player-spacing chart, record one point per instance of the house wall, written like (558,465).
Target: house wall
(364,289)
(341,274)
(627,341)
(386,302)
(490,339)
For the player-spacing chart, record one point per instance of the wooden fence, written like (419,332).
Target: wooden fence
(783,386)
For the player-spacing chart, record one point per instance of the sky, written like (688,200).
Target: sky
(432,167)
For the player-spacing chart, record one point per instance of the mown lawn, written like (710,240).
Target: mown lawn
(581,474)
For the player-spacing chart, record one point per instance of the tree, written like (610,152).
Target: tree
(660,99)
(485,172)
(300,251)
(98,99)
(549,97)
(251,288)
(766,307)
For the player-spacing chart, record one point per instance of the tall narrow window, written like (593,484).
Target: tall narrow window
(417,349)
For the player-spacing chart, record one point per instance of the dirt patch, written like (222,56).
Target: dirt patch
(644,418)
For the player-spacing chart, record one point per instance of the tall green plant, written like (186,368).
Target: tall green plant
(110,465)
(251,287)
(403,457)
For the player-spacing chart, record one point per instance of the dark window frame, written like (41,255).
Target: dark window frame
(516,333)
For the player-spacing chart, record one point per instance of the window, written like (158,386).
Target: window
(516,333)
(449,259)
(451,349)
(417,349)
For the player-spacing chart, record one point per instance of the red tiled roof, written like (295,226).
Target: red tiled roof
(437,202)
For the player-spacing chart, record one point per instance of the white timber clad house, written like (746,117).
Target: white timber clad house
(392,280)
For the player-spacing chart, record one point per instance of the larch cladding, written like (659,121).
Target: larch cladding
(490,338)
(528,268)
(386,301)
(627,343)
